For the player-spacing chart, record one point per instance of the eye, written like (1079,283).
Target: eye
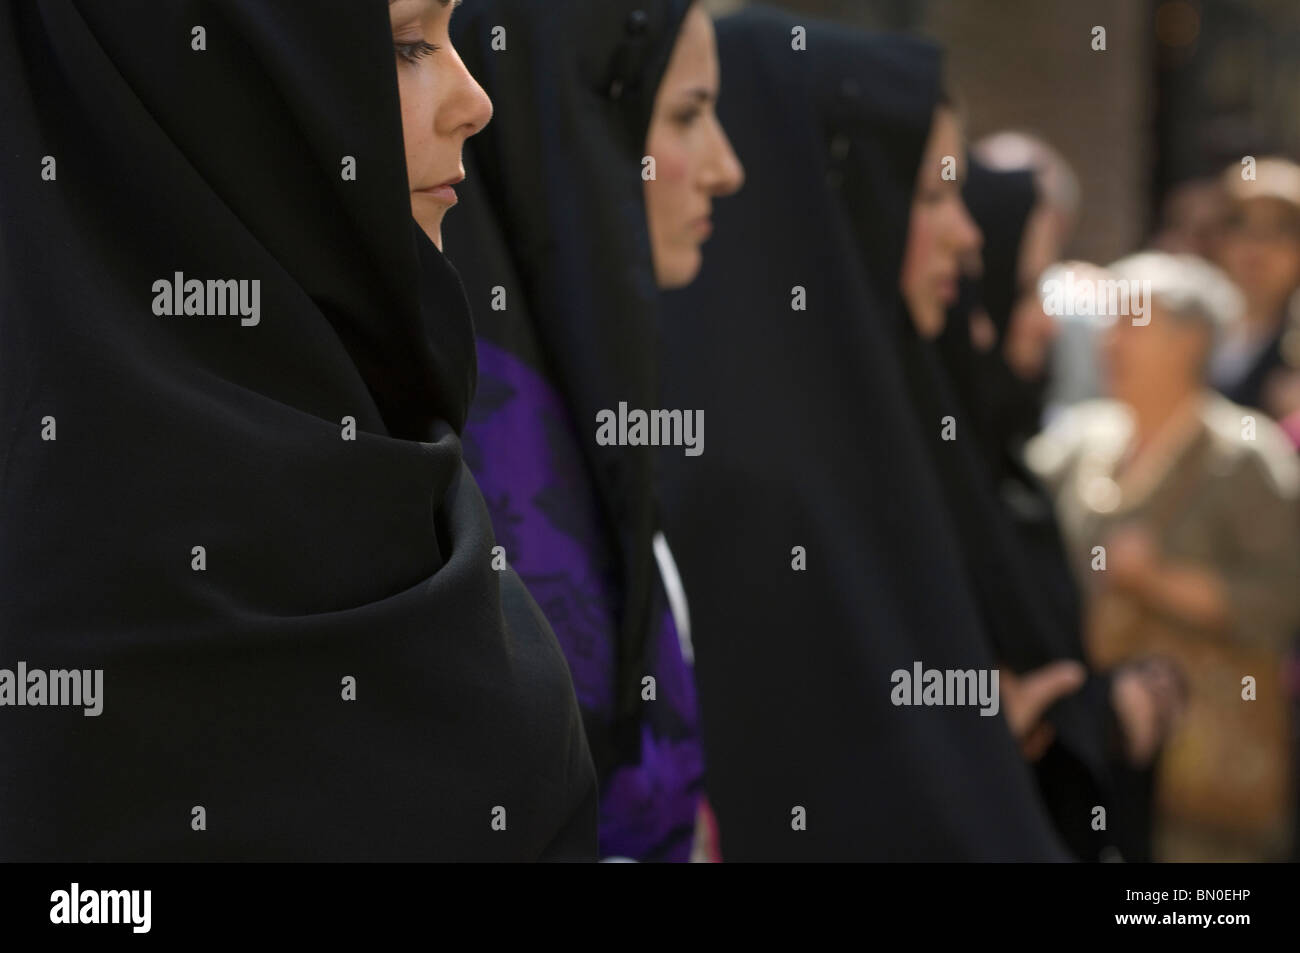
(414,52)
(686,116)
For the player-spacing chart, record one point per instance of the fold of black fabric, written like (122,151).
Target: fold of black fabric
(1006,517)
(1006,408)
(1000,204)
(553,215)
(813,455)
(1025,627)
(262,532)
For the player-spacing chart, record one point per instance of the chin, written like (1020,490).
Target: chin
(434,231)
(430,226)
(679,271)
(929,320)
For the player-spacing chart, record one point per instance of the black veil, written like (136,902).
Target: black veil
(324,559)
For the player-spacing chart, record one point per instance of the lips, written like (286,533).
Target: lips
(444,192)
(702,225)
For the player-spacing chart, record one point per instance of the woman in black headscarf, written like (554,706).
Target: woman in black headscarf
(245,503)
(819,557)
(1034,625)
(1000,406)
(563,280)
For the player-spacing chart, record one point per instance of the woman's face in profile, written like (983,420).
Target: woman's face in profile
(442,106)
(694,161)
(941,236)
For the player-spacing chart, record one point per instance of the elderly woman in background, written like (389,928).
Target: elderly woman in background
(1181,516)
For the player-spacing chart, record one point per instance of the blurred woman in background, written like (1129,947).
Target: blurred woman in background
(1181,513)
(1257,361)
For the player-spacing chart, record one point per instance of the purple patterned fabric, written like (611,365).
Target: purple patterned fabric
(523,449)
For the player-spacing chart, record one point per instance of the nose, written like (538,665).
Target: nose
(724,175)
(966,235)
(467,108)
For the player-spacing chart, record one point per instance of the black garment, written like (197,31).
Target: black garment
(326,558)
(811,446)
(999,404)
(1029,607)
(1249,389)
(553,213)
(1005,409)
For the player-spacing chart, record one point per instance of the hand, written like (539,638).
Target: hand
(1026,697)
(1148,697)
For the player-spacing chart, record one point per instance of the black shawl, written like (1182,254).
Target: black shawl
(331,567)
(554,214)
(811,445)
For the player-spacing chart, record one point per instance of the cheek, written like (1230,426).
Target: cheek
(950,233)
(417,118)
(1150,348)
(1286,265)
(673,161)
(1229,256)
(664,193)
(916,256)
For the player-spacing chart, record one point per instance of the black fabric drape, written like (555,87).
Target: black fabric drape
(325,558)
(1005,518)
(1005,407)
(995,404)
(1018,615)
(811,445)
(554,214)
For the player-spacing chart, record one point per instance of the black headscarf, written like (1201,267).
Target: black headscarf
(1005,408)
(1000,203)
(332,567)
(554,214)
(810,446)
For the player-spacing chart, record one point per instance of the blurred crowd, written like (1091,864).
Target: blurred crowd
(1168,446)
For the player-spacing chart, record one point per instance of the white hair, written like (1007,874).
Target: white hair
(1186,286)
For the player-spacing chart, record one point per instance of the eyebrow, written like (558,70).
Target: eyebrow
(455,3)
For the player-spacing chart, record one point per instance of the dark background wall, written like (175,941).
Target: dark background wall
(1183,88)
